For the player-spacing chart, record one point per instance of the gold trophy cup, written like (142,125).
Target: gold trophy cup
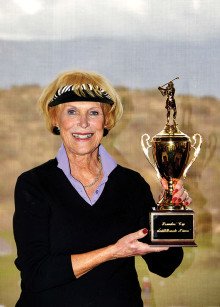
(171,224)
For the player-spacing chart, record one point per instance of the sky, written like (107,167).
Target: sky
(191,20)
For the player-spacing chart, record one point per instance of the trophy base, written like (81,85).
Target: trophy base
(172,228)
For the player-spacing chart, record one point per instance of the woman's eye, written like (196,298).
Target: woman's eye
(71,112)
(94,113)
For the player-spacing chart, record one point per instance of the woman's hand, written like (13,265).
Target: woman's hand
(179,193)
(129,246)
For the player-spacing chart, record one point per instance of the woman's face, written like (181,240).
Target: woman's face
(81,126)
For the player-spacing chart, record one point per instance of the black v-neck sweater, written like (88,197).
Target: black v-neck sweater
(52,221)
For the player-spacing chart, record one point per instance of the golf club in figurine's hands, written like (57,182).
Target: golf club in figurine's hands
(172,224)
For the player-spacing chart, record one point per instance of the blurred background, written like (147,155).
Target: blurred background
(138,45)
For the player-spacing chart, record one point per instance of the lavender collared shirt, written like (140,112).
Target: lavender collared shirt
(108,164)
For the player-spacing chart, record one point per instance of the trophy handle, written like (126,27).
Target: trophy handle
(197,148)
(144,139)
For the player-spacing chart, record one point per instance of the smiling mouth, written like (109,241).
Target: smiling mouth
(82,136)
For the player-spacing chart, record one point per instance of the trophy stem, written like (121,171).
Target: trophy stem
(166,203)
(170,186)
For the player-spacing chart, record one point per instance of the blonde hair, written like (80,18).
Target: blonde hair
(112,113)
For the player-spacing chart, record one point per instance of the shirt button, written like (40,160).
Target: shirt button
(97,191)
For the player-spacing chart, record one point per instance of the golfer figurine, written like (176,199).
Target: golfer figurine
(169,91)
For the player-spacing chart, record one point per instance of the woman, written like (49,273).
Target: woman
(80,218)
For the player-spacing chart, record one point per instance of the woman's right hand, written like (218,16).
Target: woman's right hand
(129,246)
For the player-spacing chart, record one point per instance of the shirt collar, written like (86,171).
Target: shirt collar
(108,162)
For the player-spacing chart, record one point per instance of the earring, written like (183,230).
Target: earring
(105,132)
(56,130)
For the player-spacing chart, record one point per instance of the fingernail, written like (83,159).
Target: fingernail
(179,200)
(145,231)
(174,199)
(176,190)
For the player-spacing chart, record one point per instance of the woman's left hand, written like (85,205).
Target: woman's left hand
(179,193)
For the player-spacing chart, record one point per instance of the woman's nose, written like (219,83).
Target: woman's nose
(83,121)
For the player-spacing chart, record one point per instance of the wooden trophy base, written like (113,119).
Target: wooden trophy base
(172,228)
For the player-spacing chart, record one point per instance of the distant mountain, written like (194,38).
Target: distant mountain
(134,64)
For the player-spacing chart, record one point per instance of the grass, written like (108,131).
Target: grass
(194,283)
(9,281)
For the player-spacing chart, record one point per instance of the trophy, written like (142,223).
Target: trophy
(171,224)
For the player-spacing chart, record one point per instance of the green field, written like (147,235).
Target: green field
(194,283)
